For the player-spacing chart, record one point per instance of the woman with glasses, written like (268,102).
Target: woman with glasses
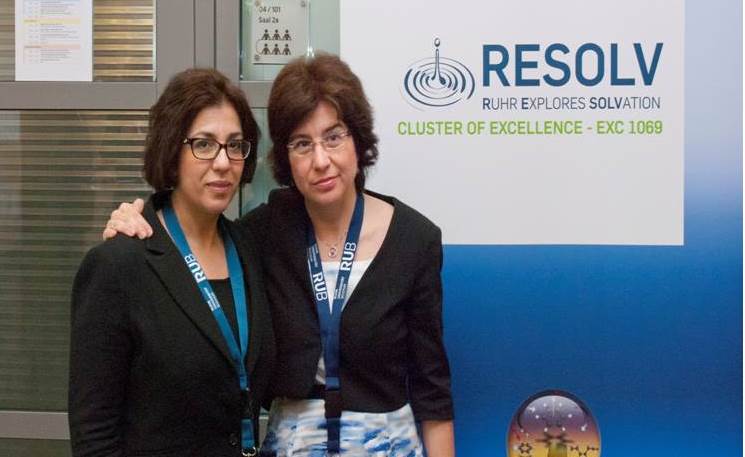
(172,341)
(354,282)
(353,278)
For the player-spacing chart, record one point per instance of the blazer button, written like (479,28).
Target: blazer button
(233,440)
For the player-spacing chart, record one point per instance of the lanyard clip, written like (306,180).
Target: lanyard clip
(250,452)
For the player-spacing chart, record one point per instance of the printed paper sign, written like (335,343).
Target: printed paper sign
(54,40)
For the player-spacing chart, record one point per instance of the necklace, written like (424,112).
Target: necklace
(333,248)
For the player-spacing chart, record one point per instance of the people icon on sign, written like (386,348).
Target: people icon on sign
(276,36)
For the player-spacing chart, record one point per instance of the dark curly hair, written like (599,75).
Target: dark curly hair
(298,89)
(188,93)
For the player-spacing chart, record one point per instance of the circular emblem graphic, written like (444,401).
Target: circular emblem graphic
(438,82)
(553,423)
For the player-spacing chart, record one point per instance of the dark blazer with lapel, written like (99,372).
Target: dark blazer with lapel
(150,373)
(391,329)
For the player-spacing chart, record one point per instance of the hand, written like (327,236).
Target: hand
(438,437)
(127,219)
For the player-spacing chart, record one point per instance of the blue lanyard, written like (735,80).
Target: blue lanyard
(330,320)
(235,270)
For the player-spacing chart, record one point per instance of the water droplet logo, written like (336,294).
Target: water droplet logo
(438,82)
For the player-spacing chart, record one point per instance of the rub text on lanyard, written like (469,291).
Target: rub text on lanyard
(237,353)
(330,320)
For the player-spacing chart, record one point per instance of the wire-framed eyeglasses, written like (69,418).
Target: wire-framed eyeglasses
(331,141)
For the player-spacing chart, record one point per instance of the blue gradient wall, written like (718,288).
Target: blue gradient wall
(649,337)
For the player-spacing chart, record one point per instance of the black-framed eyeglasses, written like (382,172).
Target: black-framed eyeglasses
(332,141)
(208,149)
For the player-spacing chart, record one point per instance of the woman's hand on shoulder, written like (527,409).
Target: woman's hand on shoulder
(127,219)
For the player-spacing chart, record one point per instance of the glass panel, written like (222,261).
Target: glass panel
(7,40)
(61,174)
(35,448)
(123,40)
(256,192)
(324,36)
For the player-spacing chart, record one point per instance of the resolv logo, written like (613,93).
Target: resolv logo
(438,82)
(589,64)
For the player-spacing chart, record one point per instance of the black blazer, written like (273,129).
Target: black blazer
(391,328)
(150,373)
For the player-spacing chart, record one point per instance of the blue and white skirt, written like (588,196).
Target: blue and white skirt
(297,428)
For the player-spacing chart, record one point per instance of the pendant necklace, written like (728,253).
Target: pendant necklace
(333,248)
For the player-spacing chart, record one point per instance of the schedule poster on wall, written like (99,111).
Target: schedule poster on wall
(524,123)
(54,40)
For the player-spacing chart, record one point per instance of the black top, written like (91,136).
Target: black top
(150,373)
(224,292)
(391,326)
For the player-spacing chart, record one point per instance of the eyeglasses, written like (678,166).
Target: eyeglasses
(208,149)
(332,141)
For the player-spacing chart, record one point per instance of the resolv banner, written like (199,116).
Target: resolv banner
(528,122)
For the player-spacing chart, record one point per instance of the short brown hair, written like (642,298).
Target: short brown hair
(186,95)
(298,89)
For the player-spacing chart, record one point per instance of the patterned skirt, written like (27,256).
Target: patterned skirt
(297,428)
